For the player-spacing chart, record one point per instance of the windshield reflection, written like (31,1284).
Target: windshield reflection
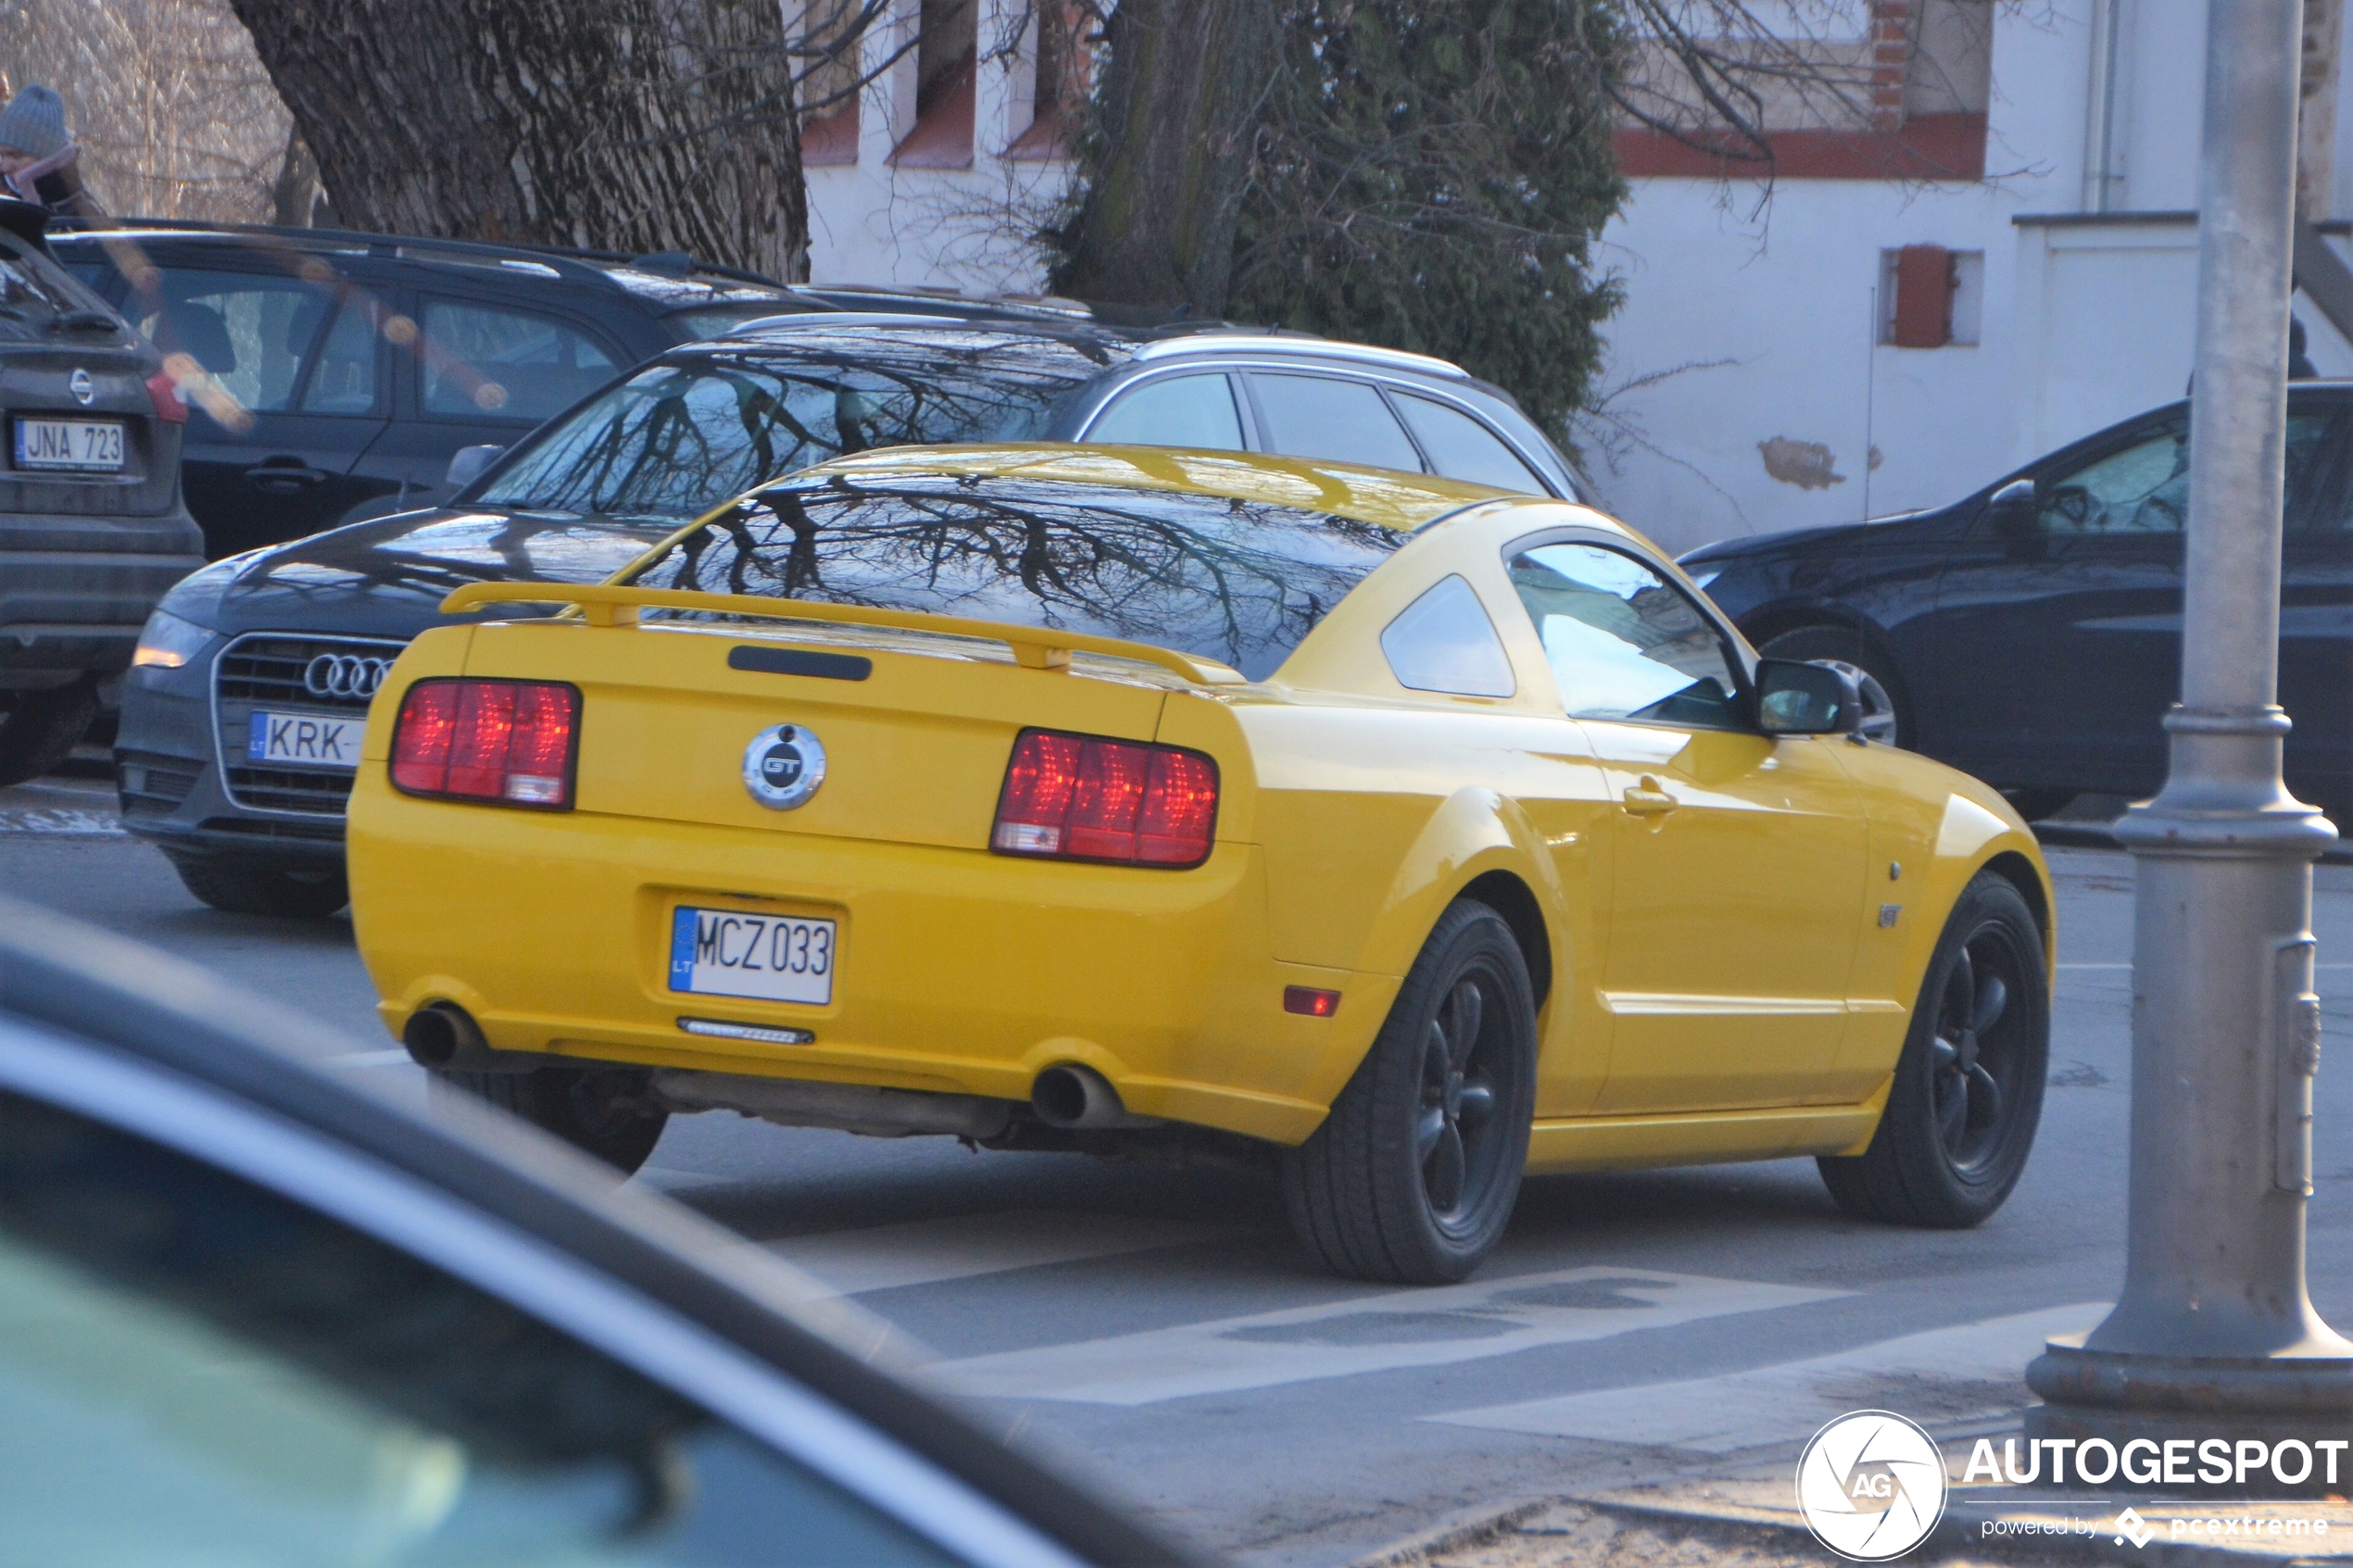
(1238,581)
(678,438)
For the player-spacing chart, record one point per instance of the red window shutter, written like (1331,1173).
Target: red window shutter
(1923,296)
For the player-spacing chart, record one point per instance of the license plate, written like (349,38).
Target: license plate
(71,445)
(304,740)
(766,958)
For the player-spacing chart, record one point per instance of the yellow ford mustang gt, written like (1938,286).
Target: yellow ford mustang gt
(1393,833)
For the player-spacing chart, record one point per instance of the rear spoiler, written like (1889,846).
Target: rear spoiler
(1034,647)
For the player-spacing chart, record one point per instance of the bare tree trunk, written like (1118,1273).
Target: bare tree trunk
(294,195)
(1181,93)
(2316,118)
(638,125)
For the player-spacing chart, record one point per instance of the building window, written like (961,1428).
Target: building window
(1060,75)
(1930,298)
(947,50)
(827,90)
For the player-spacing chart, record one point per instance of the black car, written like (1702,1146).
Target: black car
(2031,634)
(242,716)
(93,529)
(253,1311)
(337,374)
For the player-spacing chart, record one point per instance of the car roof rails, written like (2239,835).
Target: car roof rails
(1246,338)
(579,264)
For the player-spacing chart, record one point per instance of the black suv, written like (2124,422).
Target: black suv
(337,374)
(241,723)
(91,526)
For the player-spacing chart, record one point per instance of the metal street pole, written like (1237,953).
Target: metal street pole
(2214,1336)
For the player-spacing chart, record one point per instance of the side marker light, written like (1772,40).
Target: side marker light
(1307,999)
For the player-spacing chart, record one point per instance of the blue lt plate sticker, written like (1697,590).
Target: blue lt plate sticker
(764,957)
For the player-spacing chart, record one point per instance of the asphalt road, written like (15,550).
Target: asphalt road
(1160,1333)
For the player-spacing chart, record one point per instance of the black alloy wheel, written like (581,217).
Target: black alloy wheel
(1967,1095)
(603,1111)
(1412,1177)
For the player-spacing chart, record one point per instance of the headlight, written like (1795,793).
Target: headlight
(168,642)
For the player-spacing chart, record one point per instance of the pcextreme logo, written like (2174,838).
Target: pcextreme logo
(1871,1485)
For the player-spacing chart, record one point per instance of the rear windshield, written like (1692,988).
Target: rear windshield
(1239,582)
(679,437)
(35,291)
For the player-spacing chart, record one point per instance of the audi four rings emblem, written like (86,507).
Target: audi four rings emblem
(783,766)
(343,674)
(82,386)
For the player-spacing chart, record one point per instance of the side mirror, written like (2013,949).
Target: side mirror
(2013,509)
(468,463)
(1798,698)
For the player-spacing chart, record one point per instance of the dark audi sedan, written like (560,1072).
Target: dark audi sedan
(243,711)
(2031,633)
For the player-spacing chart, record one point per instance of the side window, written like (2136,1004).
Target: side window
(1460,447)
(1443,642)
(1623,642)
(2143,489)
(344,380)
(1341,421)
(1179,411)
(480,359)
(250,333)
(194,1368)
(2313,505)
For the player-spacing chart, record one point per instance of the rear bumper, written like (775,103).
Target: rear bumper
(68,607)
(959,970)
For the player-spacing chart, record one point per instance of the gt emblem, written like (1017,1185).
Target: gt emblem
(783,766)
(82,386)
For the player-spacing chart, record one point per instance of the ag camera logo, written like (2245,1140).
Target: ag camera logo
(1871,1485)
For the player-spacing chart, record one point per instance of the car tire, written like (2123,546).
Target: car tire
(1968,1094)
(38,729)
(1412,1177)
(599,1110)
(2039,805)
(1841,645)
(247,887)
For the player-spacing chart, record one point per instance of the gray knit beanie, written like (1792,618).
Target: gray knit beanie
(34,121)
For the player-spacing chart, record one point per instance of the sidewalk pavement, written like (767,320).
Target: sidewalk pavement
(1747,1518)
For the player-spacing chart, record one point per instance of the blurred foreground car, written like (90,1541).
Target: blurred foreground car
(342,371)
(91,526)
(2031,633)
(242,718)
(251,1314)
(1200,804)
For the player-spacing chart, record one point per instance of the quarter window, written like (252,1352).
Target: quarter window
(480,360)
(1460,447)
(1179,411)
(1443,642)
(1623,642)
(1341,421)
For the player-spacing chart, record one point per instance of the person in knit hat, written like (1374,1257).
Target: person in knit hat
(37,157)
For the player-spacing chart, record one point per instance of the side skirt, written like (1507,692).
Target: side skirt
(1621,1142)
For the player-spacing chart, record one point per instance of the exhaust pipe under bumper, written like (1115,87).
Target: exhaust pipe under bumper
(849,1108)
(1072,1096)
(442,1038)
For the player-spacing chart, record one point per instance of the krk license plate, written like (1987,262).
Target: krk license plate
(70,445)
(767,958)
(304,740)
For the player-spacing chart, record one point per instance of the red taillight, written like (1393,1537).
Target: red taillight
(506,741)
(1078,798)
(165,394)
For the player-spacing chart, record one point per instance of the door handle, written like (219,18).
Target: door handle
(1648,798)
(285,476)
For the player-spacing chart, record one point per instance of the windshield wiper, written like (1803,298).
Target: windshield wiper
(82,322)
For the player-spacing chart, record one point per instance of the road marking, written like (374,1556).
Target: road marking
(1401,1328)
(927,1251)
(1939,1377)
(370,1058)
(61,822)
(2128,966)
